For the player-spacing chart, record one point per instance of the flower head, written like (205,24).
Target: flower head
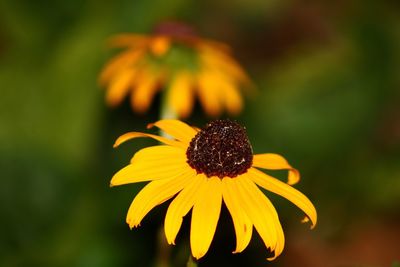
(176,59)
(202,168)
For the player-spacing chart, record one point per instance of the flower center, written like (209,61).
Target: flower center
(220,149)
(175,29)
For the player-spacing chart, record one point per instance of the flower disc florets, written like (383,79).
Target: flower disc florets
(176,30)
(221,149)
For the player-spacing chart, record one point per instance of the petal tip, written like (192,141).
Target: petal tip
(197,257)
(273,257)
(307,219)
(132,224)
(294,177)
(150,125)
(170,240)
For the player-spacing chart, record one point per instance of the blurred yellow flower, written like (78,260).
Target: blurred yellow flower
(202,168)
(176,59)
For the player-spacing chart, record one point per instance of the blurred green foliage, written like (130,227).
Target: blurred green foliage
(328,99)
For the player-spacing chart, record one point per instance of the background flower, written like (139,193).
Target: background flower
(174,57)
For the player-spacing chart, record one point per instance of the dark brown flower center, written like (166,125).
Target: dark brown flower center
(221,149)
(175,29)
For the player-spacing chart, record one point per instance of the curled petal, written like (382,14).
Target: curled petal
(276,186)
(276,162)
(125,137)
(176,128)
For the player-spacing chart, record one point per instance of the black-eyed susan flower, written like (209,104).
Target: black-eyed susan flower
(175,59)
(202,168)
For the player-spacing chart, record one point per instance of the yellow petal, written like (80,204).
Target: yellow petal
(160,45)
(124,60)
(145,90)
(127,136)
(153,194)
(224,62)
(180,206)
(180,94)
(119,87)
(153,170)
(242,223)
(153,163)
(209,97)
(231,96)
(176,128)
(276,162)
(207,44)
(259,209)
(159,153)
(205,215)
(296,197)
(280,244)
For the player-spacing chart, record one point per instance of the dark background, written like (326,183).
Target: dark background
(328,78)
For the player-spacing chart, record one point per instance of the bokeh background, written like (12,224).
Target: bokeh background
(328,78)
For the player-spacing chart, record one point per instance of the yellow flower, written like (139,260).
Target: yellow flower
(202,168)
(176,59)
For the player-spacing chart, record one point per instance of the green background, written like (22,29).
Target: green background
(328,78)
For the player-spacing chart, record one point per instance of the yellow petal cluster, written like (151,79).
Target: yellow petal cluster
(170,176)
(143,68)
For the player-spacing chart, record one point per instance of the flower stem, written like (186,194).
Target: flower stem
(166,111)
(164,250)
(191,262)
